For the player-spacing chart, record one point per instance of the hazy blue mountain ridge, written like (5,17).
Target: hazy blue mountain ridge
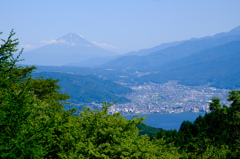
(218,66)
(93,62)
(157,59)
(213,60)
(143,52)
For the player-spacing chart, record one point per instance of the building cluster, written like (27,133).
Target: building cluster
(169,97)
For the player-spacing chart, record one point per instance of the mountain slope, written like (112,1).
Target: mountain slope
(218,66)
(70,48)
(157,59)
(154,49)
(93,62)
(88,88)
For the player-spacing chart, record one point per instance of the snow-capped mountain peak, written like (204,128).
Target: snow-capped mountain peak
(74,39)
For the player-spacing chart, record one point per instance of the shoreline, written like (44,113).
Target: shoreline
(163,113)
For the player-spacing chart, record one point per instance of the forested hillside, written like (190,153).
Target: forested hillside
(33,124)
(218,66)
(88,88)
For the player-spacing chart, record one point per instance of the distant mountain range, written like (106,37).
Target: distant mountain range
(171,52)
(212,60)
(71,49)
(154,49)
(218,67)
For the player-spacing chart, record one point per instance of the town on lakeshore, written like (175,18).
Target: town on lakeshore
(169,97)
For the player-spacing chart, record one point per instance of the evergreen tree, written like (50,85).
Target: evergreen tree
(216,135)
(33,123)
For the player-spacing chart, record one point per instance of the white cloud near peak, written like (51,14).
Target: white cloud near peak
(105,45)
(28,46)
(53,41)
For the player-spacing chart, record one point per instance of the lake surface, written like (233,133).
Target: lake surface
(167,121)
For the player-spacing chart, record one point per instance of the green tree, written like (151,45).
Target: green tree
(96,134)
(33,123)
(15,100)
(28,107)
(216,135)
(215,104)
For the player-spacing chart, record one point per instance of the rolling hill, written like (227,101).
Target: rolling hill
(88,88)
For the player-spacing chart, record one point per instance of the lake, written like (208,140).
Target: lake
(167,121)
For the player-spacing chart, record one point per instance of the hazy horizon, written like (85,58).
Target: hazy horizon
(120,25)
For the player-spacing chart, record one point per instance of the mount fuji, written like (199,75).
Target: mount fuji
(70,49)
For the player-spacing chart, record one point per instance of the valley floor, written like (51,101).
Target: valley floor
(166,98)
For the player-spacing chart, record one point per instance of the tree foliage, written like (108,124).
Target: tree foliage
(33,123)
(216,135)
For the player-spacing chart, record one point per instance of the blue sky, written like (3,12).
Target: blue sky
(124,24)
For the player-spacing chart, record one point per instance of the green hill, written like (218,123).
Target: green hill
(145,129)
(88,88)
